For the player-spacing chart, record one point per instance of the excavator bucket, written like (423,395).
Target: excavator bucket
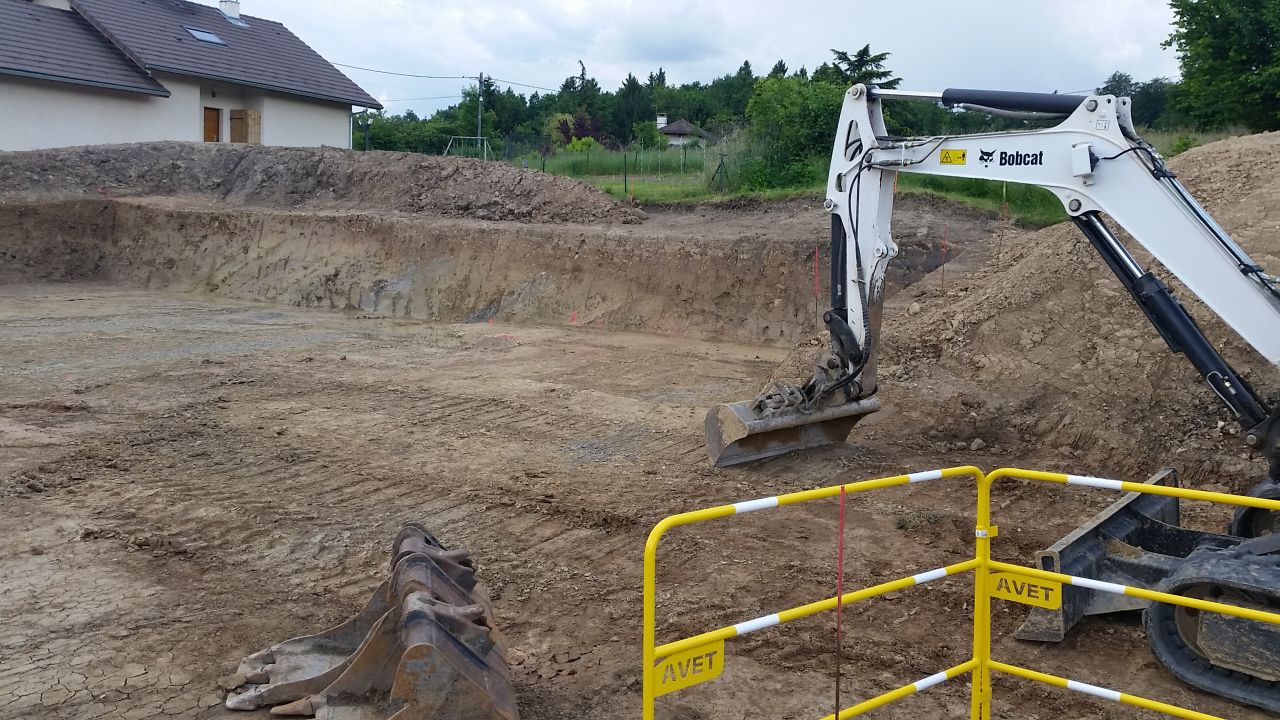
(1135,541)
(423,647)
(738,432)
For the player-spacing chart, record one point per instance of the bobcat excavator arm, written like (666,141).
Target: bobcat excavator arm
(1096,164)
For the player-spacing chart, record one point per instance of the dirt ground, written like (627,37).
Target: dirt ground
(198,461)
(192,480)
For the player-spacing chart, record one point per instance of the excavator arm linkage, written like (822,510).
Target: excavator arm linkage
(1096,164)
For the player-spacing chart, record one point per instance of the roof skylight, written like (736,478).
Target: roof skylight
(205,36)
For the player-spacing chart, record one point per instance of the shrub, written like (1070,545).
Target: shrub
(583,145)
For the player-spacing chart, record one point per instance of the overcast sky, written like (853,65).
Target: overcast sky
(1041,45)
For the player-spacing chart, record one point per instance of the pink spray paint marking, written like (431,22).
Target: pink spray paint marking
(573,318)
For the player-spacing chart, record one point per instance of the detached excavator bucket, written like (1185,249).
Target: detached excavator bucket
(423,647)
(738,433)
(1135,541)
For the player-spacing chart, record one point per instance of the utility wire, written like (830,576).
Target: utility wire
(437,97)
(513,82)
(388,72)
(442,77)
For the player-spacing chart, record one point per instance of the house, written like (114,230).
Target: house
(88,72)
(681,132)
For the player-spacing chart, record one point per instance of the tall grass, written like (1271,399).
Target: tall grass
(678,176)
(671,161)
(1173,142)
(1027,204)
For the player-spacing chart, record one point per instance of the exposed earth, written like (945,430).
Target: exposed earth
(218,407)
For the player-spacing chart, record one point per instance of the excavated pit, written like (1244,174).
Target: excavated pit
(227,383)
(672,276)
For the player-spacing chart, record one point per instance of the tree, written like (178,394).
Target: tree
(632,103)
(647,136)
(586,126)
(559,127)
(729,94)
(1151,104)
(792,120)
(779,69)
(1227,50)
(1119,84)
(863,67)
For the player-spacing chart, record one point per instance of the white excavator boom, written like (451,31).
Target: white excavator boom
(1095,163)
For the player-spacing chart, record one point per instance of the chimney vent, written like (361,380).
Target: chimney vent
(230,8)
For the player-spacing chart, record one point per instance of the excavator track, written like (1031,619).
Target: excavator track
(1233,657)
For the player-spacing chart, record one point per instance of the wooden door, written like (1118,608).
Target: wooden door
(212,125)
(239,127)
(246,126)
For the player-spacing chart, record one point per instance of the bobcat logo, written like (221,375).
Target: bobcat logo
(986,157)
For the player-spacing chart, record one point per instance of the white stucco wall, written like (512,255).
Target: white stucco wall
(40,114)
(226,98)
(299,122)
(37,114)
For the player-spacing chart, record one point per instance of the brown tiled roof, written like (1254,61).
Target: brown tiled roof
(263,54)
(681,127)
(51,44)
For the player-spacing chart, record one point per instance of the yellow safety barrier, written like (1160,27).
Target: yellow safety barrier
(683,663)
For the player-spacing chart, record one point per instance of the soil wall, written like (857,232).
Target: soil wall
(426,268)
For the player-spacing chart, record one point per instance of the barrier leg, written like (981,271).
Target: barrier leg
(980,692)
(650,612)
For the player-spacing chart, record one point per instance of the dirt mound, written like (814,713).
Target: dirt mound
(1041,349)
(313,177)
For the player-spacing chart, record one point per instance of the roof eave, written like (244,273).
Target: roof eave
(161,92)
(368,103)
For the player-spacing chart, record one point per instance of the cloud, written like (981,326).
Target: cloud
(1063,45)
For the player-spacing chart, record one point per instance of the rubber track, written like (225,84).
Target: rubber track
(1258,575)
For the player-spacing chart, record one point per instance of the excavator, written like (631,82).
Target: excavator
(1095,162)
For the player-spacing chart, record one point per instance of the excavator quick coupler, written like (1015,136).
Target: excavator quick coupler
(791,417)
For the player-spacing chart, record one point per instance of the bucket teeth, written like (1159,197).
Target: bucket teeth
(424,646)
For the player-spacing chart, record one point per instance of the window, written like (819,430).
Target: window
(235,21)
(205,36)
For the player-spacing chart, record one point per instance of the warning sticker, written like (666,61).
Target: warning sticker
(687,668)
(1026,590)
(952,157)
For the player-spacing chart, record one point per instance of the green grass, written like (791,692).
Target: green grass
(1173,142)
(655,178)
(650,191)
(672,161)
(1027,204)
(690,189)
(673,176)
